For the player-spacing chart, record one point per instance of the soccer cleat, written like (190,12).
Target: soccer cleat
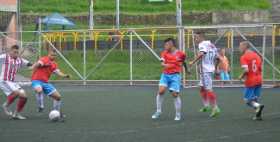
(177,118)
(205,109)
(257,118)
(62,117)
(156,115)
(259,111)
(18,116)
(6,109)
(40,109)
(215,112)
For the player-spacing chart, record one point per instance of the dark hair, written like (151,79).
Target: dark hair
(200,33)
(246,43)
(170,40)
(15,47)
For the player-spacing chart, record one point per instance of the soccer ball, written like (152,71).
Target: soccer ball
(54,115)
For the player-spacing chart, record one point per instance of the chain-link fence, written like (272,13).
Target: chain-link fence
(130,56)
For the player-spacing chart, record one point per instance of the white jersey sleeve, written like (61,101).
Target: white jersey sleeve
(202,47)
(24,62)
(2,58)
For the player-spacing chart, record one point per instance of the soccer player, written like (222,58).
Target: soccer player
(172,61)
(207,55)
(42,71)
(251,64)
(10,64)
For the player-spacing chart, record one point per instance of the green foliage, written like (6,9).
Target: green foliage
(140,6)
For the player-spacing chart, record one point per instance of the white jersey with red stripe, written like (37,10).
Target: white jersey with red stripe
(10,66)
(210,55)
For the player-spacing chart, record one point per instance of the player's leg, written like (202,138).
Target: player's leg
(212,97)
(20,104)
(251,100)
(206,106)
(51,91)
(13,91)
(10,97)
(57,103)
(203,94)
(159,97)
(174,88)
(255,102)
(37,86)
(261,106)
(56,100)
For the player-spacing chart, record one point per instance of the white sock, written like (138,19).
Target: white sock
(40,100)
(255,104)
(178,105)
(56,105)
(205,103)
(159,100)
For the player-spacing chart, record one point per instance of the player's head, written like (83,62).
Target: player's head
(222,51)
(14,51)
(52,54)
(243,46)
(199,37)
(169,44)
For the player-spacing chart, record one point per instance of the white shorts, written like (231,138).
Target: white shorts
(8,87)
(206,80)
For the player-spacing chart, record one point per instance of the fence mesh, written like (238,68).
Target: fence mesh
(123,56)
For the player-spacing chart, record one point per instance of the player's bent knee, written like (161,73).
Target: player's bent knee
(38,89)
(22,93)
(161,92)
(175,94)
(56,96)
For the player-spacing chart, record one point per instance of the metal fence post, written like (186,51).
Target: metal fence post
(263,50)
(232,54)
(84,59)
(40,38)
(273,50)
(130,58)
(195,52)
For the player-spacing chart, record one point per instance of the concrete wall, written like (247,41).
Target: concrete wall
(241,17)
(275,11)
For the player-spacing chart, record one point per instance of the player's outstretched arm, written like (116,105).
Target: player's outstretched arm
(26,63)
(61,74)
(199,56)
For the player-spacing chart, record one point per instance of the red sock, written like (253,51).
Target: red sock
(21,103)
(11,98)
(212,98)
(204,97)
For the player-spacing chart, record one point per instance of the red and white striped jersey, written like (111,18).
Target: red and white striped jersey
(10,66)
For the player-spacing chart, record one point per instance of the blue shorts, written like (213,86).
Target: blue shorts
(224,75)
(48,88)
(171,81)
(252,93)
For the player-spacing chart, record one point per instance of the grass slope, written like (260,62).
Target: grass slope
(140,6)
